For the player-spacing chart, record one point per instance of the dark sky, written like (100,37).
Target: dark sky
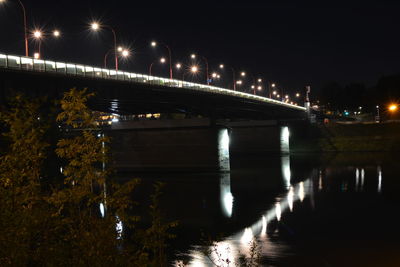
(291,44)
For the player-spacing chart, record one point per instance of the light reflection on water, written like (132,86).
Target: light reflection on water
(297,194)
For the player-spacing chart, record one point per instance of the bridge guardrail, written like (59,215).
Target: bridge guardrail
(40,65)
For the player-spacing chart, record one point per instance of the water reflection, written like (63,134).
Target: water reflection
(286,173)
(226,197)
(239,243)
(379,179)
(283,206)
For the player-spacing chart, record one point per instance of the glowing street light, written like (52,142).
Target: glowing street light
(243,74)
(297,95)
(274,92)
(154,44)
(393,107)
(37,34)
(178,66)
(56,33)
(162,61)
(193,56)
(239,82)
(192,69)
(259,88)
(122,51)
(95,26)
(222,66)
(125,53)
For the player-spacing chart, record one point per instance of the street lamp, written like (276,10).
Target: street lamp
(56,33)
(25,26)
(193,56)
(37,34)
(193,69)
(95,26)
(123,52)
(378,119)
(270,87)
(154,44)
(392,108)
(162,61)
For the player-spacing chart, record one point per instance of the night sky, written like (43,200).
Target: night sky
(290,44)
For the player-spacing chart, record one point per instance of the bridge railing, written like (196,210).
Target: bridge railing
(40,65)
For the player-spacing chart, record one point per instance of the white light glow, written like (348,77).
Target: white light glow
(119,227)
(102,210)
(264,227)
(379,179)
(37,34)
(278,211)
(125,53)
(226,196)
(362,178)
(247,236)
(95,26)
(301,191)
(162,60)
(290,198)
(178,66)
(153,44)
(56,33)
(36,55)
(284,139)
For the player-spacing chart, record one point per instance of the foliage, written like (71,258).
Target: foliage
(62,225)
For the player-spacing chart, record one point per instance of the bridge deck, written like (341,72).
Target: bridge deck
(71,69)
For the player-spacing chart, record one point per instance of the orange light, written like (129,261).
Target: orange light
(393,107)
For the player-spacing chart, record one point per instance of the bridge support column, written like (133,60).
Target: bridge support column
(200,149)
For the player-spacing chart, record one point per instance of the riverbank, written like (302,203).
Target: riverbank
(334,137)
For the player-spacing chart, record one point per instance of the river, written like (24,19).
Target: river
(324,210)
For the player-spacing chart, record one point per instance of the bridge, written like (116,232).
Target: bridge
(222,121)
(122,92)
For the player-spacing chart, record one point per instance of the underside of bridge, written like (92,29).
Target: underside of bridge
(129,98)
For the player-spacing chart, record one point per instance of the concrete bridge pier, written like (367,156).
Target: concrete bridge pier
(187,144)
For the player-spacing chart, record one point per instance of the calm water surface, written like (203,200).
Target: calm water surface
(338,210)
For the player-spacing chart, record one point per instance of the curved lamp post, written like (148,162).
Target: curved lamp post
(154,44)
(25,26)
(96,26)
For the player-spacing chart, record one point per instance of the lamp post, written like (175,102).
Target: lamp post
(162,60)
(378,119)
(270,87)
(96,26)
(193,56)
(154,44)
(38,35)
(124,53)
(25,26)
